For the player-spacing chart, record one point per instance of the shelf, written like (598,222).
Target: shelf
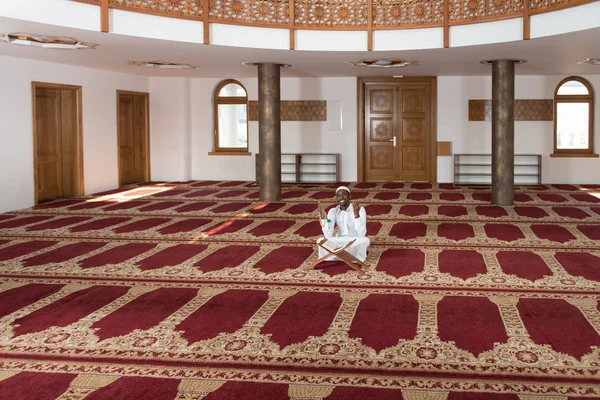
(325,167)
(523,173)
(310,173)
(489,165)
(489,174)
(291,163)
(489,155)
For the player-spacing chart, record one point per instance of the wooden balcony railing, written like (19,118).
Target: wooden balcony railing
(366,15)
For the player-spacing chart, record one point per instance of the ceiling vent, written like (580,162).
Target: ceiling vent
(162,65)
(46,42)
(590,61)
(385,63)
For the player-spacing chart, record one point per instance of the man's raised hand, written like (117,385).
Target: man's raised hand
(322,213)
(356,209)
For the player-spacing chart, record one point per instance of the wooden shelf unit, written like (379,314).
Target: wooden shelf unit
(308,167)
(476,169)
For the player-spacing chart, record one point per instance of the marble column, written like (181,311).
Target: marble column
(503,132)
(269,132)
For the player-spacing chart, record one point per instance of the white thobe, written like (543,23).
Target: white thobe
(349,228)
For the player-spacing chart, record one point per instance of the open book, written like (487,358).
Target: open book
(331,246)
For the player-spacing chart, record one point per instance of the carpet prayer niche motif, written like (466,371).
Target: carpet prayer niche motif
(197,290)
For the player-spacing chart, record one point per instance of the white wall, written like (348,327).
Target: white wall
(202,141)
(507,30)
(568,20)
(169,132)
(168,97)
(99,124)
(155,27)
(535,137)
(53,12)
(170,129)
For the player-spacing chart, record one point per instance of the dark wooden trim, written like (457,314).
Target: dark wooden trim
(361,28)
(104,26)
(79,151)
(526,21)
(48,85)
(407,27)
(360,132)
(447,24)
(370,25)
(377,79)
(361,127)
(231,100)
(133,93)
(292,23)
(433,136)
(574,155)
(206,21)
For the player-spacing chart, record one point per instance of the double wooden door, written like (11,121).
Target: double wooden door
(399,137)
(58,150)
(133,137)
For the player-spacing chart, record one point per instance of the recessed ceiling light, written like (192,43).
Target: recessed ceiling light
(46,42)
(384,63)
(255,64)
(162,65)
(591,61)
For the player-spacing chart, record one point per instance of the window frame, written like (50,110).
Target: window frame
(218,100)
(575,98)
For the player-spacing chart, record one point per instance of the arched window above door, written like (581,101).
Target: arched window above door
(231,117)
(574,118)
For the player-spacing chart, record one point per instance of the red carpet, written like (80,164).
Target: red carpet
(194,290)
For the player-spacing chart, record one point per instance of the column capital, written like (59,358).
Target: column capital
(490,62)
(256,64)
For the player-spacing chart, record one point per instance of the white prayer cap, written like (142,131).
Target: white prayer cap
(342,188)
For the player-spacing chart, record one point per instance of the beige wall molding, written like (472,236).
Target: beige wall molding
(295,110)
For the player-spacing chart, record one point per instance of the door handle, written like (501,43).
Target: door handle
(393,140)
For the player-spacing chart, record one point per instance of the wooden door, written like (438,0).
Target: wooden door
(397,137)
(58,151)
(70,143)
(133,137)
(414,134)
(48,140)
(381,124)
(126,142)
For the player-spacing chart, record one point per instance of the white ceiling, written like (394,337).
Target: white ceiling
(554,55)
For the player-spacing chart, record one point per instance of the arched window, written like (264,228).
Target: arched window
(231,117)
(574,118)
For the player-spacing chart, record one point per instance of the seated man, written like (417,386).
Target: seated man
(351,221)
